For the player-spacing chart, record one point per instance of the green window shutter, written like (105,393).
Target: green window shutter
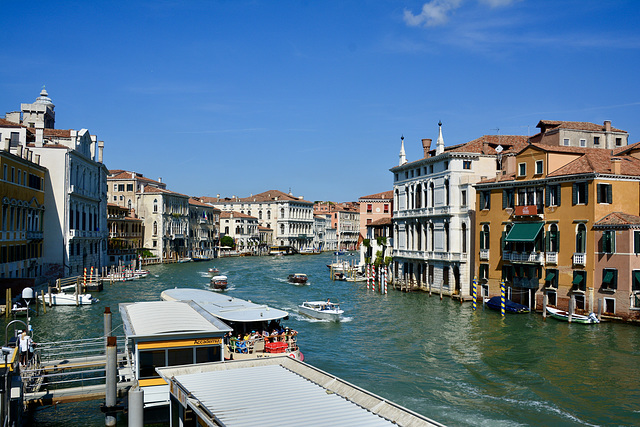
(636,281)
(547,241)
(614,282)
(559,190)
(575,194)
(547,196)
(486,240)
(613,241)
(610,194)
(482,239)
(636,242)
(503,243)
(586,193)
(504,199)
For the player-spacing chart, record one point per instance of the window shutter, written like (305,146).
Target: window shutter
(503,243)
(504,199)
(559,190)
(610,194)
(612,241)
(547,197)
(558,240)
(575,194)
(547,244)
(599,194)
(586,193)
(614,281)
(636,242)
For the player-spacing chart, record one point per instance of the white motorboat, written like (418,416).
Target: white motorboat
(323,310)
(68,299)
(219,282)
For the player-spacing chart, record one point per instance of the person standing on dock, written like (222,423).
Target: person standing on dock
(24,347)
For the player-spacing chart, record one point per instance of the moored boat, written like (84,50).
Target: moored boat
(298,278)
(495,303)
(575,318)
(322,310)
(219,282)
(68,299)
(259,324)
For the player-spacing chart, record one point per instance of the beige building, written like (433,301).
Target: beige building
(243,229)
(126,235)
(204,223)
(123,187)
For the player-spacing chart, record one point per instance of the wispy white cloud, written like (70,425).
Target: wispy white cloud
(434,13)
(437,12)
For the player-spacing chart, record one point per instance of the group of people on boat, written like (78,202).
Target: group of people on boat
(245,343)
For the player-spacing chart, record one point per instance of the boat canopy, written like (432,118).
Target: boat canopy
(225,307)
(524,232)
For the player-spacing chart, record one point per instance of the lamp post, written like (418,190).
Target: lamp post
(27,296)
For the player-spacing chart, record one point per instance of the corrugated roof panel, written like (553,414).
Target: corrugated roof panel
(273,396)
(164,317)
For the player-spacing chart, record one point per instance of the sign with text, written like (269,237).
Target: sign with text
(526,210)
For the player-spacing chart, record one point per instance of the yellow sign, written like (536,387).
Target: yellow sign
(180,343)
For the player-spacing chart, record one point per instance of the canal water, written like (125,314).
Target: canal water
(436,357)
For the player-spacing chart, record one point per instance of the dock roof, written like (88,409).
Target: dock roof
(282,391)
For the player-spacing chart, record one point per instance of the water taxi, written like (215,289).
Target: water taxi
(219,282)
(298,278)
(322,310)
(167,333)
(258,326)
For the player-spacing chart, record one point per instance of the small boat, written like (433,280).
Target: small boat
(187,259)
(357,278)
(198,258)
(213,271)
(494,303)
(219,282)
(339,252)
(576,318)
(298,278)
(340,277)
(323,310)
(309,251)
(68,299)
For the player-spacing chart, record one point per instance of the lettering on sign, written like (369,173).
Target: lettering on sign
(205,341)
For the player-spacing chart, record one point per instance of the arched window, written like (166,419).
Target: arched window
(432,195)
(433,236)
(418,194)
(281,212)
(155,206)
(464,238)
(268,214)
(281,228)
(581,239)
(129,204)
(155,228)
(554,238)
(484,237)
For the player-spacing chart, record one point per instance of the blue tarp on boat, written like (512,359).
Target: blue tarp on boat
(510,306)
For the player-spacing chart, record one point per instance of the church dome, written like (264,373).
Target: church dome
(44,98)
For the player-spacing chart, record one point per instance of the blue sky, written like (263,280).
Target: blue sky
(240,97)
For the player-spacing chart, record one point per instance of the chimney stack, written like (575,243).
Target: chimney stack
(159,179)
(426,146)
(607,125)
(100,150)
(616,164)
(39,137)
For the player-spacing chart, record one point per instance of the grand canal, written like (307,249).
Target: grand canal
(436,357)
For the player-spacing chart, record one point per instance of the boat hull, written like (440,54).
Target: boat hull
(67,299)
(312,310)
(494,303)
(575,318)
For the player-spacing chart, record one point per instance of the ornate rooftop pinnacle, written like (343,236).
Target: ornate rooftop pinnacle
(403,156)
(440,142)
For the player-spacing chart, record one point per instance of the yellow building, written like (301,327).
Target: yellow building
(22,193)
(535,227)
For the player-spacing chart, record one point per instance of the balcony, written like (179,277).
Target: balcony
(484,254)
(552,257)
(506,255)
(579,259)
(34,235)
(535,257)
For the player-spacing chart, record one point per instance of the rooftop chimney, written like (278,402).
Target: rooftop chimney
(607,125)
(426,146)
(616,164)
(159,179)
(37,162)
(100,150)
(39,137)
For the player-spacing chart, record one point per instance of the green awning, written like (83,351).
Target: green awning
(577,279)
(524,232)
(636,274)
(550,277)
(608,277)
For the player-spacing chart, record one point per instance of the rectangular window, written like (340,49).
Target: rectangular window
(635,280)
(369,208)
(446,165)
(13,174)
(609,279)
(636,242)
(583,142)
(129,187)
(579,280)
(485,200)
(551,279)
(539,167)
(565,142)
(522,169)
(553,195)
(483,272)
(466,164)
(618,142)
(430,168)
(605,193)
(508,196)
(463,198)
(115,187)
(386,208)
(4,172)
(596,140)
(149,361)
(608,242)
(552,297)
(580,194)
(368,221)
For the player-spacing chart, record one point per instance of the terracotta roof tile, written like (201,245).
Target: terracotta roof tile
(619,218)
(381,221)
(559,124)
(227,214)
(385,195)
(152,189)
(7,124)
(599,161)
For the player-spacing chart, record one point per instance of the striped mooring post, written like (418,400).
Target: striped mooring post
(91,275)
(373,267)
(84,280)
(386,279)
(474,292)
(368,276)
(502,298)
